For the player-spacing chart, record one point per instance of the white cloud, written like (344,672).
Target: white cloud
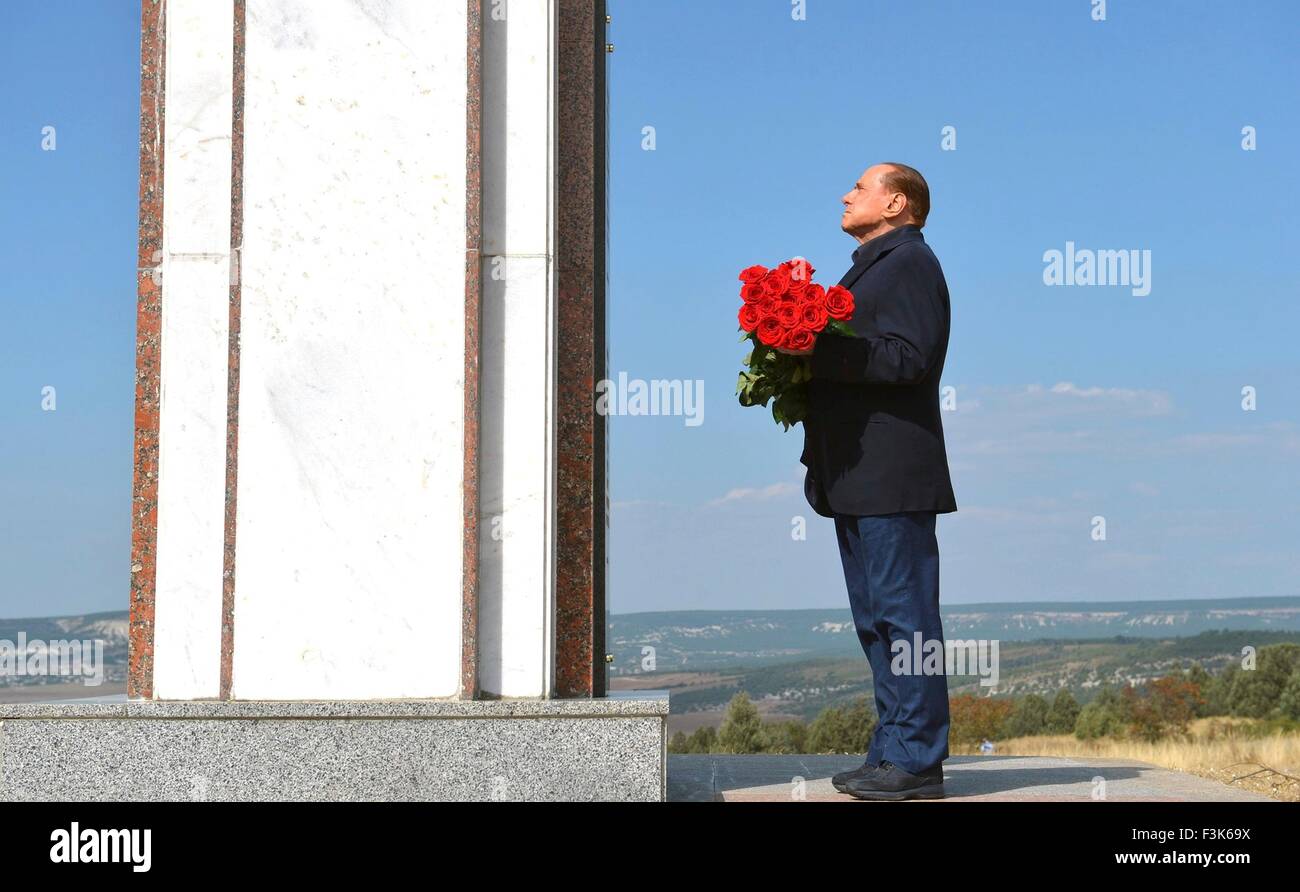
(744,494)
(1134,400)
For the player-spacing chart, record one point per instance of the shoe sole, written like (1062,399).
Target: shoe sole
(844,788)
(841,785)
(933,791)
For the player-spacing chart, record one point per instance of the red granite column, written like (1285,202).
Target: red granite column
(580,349)
(148,352)
(469,684)
(232,365)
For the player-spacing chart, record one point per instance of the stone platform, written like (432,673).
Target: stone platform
(762,778)
(112,748)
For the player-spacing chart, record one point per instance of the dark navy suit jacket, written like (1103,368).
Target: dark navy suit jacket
(873,438)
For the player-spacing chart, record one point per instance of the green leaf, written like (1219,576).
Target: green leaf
(841,328)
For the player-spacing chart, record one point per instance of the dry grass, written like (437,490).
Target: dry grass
(1268,765)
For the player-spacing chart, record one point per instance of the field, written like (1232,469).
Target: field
(1218,749)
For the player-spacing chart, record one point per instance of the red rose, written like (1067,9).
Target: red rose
(814,294)
(799,339)
(751,292)
(749,317)
(787,313)
(753,275)
(770,331)
(766,306)
(839,303)
(776,281)
(813,316)
(801,271)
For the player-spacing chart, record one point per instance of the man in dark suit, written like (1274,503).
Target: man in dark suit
(874,449)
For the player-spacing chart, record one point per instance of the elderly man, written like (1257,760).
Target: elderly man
(874,449)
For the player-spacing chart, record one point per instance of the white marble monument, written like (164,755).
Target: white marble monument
(360,569)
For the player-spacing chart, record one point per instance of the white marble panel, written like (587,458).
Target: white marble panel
(196,170)
(517,467)
(191,479)
(194,348)
(349,561)
(517,478)
(518,129)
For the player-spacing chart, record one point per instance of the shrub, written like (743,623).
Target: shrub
(1064,713)
(1028,717)
(786,737)
(843,729)
(1257,693)
(976,718)
(742,729)
(1161,708)
(1103,716)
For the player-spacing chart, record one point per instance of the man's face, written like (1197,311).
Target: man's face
(868,205)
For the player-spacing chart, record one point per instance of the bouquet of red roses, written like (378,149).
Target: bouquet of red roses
(784,309)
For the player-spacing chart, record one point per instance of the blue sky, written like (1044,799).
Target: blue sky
(68,232)
(1072,402)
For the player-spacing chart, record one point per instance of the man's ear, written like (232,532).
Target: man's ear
(897,206)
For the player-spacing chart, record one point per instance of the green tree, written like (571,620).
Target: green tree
(844,729)
(1103,716)
(678,743)
(703,741)
(1289,702)
(829,732)
(1256,693)
(1028,717)
(860,721)
(1204,681)
(1064,713)
(787,737)
(1219,690)
(742,729)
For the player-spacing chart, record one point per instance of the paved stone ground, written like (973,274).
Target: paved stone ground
(719,778)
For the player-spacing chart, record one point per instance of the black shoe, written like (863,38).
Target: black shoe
(892,783)
(841,780)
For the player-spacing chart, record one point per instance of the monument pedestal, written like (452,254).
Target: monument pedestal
(599,749)
(368,513)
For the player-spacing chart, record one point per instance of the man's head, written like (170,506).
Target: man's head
(885,197)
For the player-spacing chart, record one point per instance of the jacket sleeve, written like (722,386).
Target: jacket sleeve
(908,331)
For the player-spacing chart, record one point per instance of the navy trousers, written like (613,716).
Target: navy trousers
(891,567)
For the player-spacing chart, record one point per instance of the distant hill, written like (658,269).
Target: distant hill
(802,688)
(696,640)
(1137,638)
(111,627)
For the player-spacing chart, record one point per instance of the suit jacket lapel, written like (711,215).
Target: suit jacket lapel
(889,242)
(855,272)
